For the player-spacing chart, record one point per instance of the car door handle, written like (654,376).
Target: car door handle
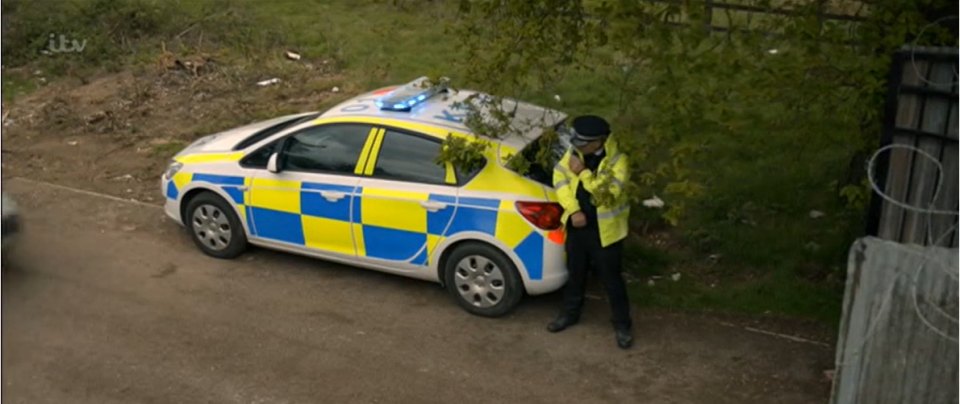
(332,196)
(432,206)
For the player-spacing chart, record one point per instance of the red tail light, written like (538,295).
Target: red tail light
(545,215)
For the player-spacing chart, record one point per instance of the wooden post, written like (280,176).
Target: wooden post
(821,10)
(708,16)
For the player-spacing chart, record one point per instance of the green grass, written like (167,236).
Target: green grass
(167,150)
(382,45)
(777,293)
(645,261)
(15,85)
(775,287)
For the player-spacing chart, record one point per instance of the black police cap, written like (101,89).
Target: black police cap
(588,128)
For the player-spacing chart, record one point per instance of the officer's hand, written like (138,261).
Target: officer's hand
(579,219)
(576,165)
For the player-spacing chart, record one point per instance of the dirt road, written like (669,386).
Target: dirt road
(107,301)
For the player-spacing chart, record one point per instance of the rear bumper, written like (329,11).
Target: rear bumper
(548,284)
(554,274)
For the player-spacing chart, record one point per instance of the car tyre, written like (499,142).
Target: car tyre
(483,280)
(214,226)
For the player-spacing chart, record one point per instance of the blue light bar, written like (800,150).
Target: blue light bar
(405,98)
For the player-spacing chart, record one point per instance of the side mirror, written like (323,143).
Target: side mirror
(272,165)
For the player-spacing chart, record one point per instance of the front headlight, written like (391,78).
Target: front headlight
(172,170)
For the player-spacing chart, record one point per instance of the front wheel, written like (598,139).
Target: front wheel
(215,227)
(483,280)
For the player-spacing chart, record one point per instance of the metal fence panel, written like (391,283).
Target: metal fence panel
(921,113)
(898,335)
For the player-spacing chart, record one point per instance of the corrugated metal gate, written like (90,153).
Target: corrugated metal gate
(898,336)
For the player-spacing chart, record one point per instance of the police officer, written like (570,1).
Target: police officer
(595,232)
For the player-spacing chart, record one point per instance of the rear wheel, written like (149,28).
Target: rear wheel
(483,280)
(215,227)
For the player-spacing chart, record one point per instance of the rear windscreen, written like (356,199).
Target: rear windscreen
(537,171)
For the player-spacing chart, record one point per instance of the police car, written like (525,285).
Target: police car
(359,184)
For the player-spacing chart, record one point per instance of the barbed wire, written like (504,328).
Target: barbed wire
(913,52)
(952,271)
(930,241)
(880,192)
(916,307)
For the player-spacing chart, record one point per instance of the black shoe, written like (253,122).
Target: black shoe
(624,339)
(561,323)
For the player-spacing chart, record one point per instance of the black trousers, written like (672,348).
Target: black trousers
(583,248)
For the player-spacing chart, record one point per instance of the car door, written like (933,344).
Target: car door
(407,200)
(311,202)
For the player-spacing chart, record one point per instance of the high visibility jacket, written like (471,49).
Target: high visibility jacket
(613,173)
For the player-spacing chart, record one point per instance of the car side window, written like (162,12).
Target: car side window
(408,157)
(260,157)
(326,148)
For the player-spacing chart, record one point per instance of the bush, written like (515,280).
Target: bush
(741,133)
(107,28)
(112,31)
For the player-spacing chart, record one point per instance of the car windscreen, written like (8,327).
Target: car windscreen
(272,130)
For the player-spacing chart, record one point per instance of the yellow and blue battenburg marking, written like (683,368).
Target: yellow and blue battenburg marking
(374,223)
(230,184)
